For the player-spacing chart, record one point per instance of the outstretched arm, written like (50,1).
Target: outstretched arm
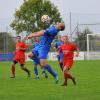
(35,34)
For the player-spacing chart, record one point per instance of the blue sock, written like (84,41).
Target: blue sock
(61,66)
(35,71)
(49,69)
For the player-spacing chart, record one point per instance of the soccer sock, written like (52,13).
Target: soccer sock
(61,66)
(35,71)
(13,70)
(26,70)
(49,69)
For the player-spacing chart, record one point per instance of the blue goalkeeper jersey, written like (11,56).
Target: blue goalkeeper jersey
(35,44)
(48,37)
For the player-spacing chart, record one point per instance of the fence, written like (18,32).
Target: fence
(76,23)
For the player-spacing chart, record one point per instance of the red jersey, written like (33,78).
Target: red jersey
(18,52)
(68,50)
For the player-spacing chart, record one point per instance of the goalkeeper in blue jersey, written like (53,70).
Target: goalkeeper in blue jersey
(47,36)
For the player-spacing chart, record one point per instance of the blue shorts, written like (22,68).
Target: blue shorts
(36,61)
(60,57)
(41,52)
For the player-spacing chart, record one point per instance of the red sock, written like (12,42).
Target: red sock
(13,70)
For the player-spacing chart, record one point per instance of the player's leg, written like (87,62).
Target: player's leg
(43,56)
(44,71)
(65,70)
(36,71)
(37,62)
(35,59)
(69,66)
(61,65)
(25,69)
(67,75)
(13,69)
(49,69)
(60,61)
(22,61)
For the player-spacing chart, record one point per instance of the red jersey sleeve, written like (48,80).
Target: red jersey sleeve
(24,45)
(75,47)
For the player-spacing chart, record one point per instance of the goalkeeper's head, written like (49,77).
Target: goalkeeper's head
(60,26)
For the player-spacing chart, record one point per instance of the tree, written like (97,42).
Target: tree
(82,39)
(7,42)
(28,17)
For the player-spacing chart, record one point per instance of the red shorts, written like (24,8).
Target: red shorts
(68,63)
(19,59)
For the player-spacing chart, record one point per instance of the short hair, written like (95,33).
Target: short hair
(65,36)
(63,28)
(18,37)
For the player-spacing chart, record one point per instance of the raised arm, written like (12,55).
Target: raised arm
(35,34)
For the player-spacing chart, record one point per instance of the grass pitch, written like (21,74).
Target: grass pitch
(87,74)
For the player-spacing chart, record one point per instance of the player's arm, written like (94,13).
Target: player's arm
(36,34)
(59,51)
(53,46)
(24,47)
(77,52)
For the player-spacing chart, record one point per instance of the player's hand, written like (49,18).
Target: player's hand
(29,37)
(26,38)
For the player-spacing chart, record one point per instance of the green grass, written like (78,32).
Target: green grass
(23,88)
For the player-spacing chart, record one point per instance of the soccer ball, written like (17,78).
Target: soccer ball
(45,18)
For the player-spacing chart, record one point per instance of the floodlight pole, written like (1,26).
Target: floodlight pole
(71,25)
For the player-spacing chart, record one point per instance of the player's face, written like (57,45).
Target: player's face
(18,39)
(65,39)
(59,37)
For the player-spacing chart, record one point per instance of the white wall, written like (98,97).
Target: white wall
(52,56)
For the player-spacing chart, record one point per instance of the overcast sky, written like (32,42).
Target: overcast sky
(7,8)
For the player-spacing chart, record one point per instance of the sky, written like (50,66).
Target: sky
(7,7)
(82,10)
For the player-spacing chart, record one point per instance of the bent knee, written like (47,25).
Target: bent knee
(65,69)
(30,55)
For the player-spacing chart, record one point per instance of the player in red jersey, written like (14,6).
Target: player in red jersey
(21,47)
(68,49)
